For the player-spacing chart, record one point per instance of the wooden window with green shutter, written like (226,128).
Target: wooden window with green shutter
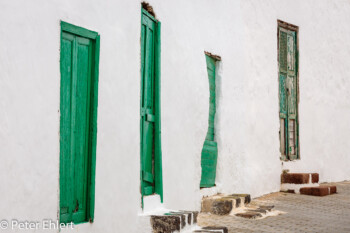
(210,149)
(288,90)
(78,106)
(151,154)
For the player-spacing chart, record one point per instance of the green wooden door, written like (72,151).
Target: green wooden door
(210,150)
(288,94)
(76,131)
(151,173)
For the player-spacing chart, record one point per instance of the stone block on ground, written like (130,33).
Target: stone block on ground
(223,204)
(165,224)
(249,214)
(246,197)
(219,229)
(314,177)
(266,207)
(212,229)
(259,211)
(206,231)
(295,178)
(320,191)
(182,216)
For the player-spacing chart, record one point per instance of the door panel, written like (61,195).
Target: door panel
(65,128)
(288,94)
(82,99)
(148,119)
(76,78)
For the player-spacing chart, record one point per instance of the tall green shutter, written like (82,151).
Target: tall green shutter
(210,150)
(151,160)
(288,93)
(77,124)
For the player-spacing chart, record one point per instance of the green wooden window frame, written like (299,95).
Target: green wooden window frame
(151,178)
(288,79)
(92,128)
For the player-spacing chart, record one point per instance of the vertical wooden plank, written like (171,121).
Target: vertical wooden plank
(158,148)
(147,107)
(73,126)
(95,59)
(82,98)
(143,39)
(65,127)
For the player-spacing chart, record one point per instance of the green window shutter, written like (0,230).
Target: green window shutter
(151,162)
(66,204)
(288,94)
(210,150)
(79,72)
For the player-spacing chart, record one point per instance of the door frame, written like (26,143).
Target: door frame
(290,27)
(95,38)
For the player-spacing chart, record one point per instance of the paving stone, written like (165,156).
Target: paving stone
(302,213)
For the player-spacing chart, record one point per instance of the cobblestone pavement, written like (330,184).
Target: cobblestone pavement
(302,214)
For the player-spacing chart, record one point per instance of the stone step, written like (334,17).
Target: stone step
(255,213)
(212,230)
(173,221)
(321,191)
(223,204)
(299,178)
(293,182)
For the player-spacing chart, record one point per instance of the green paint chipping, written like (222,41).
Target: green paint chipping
(78,122)
(210,150)
(288,94)
(151,154)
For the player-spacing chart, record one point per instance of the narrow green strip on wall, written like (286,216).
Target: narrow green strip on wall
(210,150)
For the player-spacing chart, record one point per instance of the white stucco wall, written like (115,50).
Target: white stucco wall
(243,33)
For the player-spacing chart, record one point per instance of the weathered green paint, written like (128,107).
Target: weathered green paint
(210,150)
(78,122)
(288,94)
(151,154)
